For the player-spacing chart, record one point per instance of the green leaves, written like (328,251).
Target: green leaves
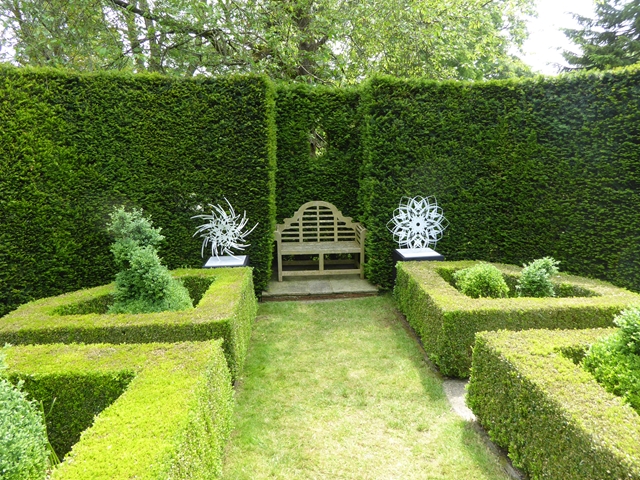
(481,280)
(535,280)
(608,40)
(23,438)
(314,41)
(143,284)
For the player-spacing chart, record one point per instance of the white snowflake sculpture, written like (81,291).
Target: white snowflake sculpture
(417,222)
(223,230)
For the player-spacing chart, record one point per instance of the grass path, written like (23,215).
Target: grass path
(339,390)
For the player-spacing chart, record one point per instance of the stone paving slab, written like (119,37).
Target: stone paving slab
(319,285)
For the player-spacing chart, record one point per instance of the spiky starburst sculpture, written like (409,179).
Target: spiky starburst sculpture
(418,222)
(223,230)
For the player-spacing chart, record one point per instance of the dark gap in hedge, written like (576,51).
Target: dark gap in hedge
(78,399)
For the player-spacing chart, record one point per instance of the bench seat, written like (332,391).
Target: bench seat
(317,248)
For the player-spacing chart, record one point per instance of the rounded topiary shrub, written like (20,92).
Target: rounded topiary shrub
(143,284)
(615,360)
(535,280)
(23,437)
(481,280)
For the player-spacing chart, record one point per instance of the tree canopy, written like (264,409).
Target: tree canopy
(610,39)
(323,41)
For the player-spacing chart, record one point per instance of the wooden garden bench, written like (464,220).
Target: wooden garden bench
(319,229)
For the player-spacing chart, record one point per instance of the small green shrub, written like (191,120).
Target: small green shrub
(629,323)
(481,280)
(143,284)
(614,361)
(535,280)
(23,438)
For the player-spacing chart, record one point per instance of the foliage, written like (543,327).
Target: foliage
(23,437)
(143,284)
(615,360)
(616,368)
(535,279)
(551,416)
(73,146)
(313,40)
(523,169)
(172,420)
(319,155)
(629,323)
(608,40)
(481,280)
(447,321)
(227,310)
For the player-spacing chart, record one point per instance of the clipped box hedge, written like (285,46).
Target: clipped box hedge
(447,321)
(226,309)
(552,416)
(168,415)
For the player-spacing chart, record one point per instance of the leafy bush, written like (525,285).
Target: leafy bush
(143,284)
(629,323)
(615,360)
(23,438)
(536,278)
(481,280)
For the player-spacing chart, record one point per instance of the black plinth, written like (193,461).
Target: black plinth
(227,261)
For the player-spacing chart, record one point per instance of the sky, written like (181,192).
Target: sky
(542,50)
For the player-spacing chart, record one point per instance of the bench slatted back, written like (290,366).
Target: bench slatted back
(318,222)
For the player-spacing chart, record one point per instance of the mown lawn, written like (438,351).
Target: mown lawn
(338,389)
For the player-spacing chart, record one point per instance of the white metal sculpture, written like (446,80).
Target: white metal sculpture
(418,222)
(223,230)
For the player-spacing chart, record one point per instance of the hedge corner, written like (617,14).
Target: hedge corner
(552,416)
(169,417)
(226,308)
(447,321)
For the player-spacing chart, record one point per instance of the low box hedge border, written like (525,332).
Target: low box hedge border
(447,320)
(171,422)
(227,310)
(552,416)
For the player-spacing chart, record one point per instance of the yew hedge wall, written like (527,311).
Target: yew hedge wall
(522,169)
(72,146)
(319,155)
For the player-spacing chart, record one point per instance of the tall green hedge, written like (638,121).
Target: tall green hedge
(522,169)
(73,146)
(329,170)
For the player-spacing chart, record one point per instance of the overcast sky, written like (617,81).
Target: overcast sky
(546,40)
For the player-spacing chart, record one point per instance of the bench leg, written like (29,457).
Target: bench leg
(279,266)
(321,258)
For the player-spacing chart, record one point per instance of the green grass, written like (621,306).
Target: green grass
(340,390)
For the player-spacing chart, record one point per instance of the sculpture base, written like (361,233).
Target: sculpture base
(227,261)
(416,254)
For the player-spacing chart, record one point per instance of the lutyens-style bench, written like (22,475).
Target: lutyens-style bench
(319,229)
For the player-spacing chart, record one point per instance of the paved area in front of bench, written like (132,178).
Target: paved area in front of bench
(326,285)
